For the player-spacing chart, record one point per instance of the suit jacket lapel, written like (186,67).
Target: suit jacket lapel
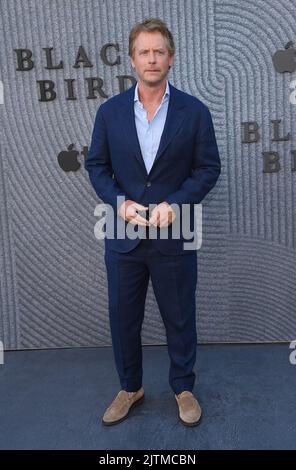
(174,119)
(129,125)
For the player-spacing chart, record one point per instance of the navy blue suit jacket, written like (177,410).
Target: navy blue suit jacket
(186,167)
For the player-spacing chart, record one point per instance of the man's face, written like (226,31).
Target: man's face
(151,57)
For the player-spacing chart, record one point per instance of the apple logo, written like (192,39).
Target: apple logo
(67,159)
(283,60)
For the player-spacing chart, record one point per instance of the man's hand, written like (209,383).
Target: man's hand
(162,215)
(128,211)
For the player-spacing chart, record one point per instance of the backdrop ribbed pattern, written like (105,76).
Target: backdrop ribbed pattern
(52,278)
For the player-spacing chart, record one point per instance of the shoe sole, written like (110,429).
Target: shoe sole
(190,424)
(136,403)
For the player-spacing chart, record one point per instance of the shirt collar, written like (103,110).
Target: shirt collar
(166,93)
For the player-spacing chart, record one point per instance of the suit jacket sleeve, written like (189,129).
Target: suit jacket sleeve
(98,164)
(206,165)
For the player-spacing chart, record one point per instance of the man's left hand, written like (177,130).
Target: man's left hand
(162,215)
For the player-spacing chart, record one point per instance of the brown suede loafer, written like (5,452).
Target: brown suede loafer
(189,408)
(121,406)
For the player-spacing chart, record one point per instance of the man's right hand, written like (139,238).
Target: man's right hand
(128,211)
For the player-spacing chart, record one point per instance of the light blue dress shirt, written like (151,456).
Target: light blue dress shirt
(149,134)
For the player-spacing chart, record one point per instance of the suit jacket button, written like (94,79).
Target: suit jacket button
(148,184)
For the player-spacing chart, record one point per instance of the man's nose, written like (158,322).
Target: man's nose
(152,57)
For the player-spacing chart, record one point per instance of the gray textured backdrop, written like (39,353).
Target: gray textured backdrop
(53,280)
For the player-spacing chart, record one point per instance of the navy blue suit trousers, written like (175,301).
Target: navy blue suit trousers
(174,280)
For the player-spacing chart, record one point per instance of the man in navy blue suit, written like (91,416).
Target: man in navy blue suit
(153,152)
